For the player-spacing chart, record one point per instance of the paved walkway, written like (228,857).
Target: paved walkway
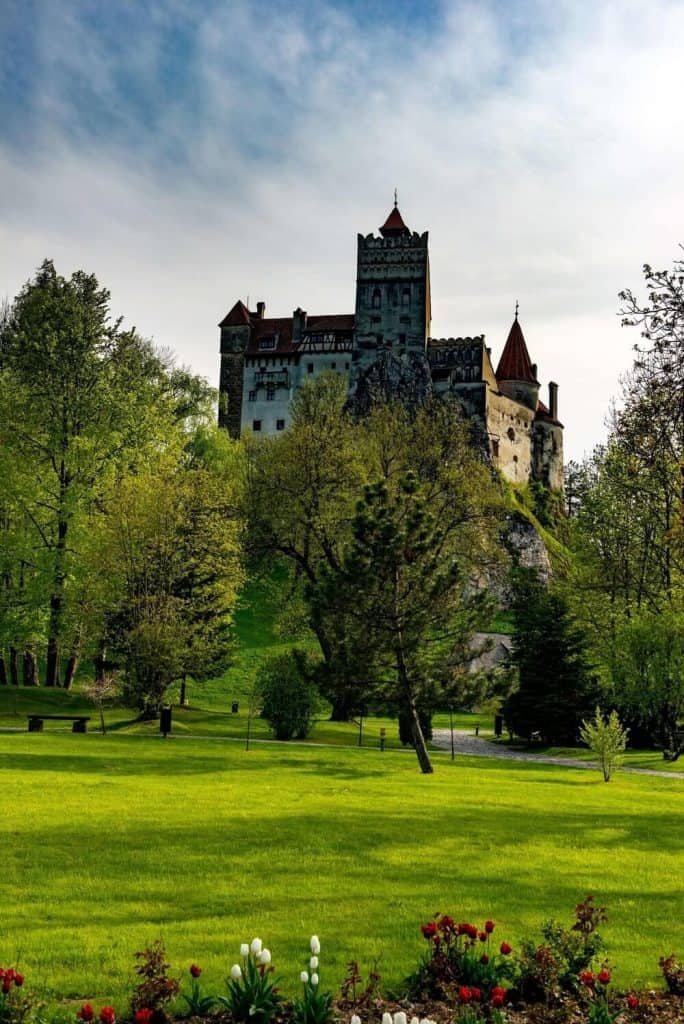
(477,746)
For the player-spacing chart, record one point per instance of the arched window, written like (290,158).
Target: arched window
(377,296)
(406,296)
(511,434)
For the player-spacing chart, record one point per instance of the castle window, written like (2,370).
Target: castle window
(270,394)
(280,424)
(333,366)
(256,426)
(375,319)
(402,339)
(309,367)
(405,296)
(511,434)
(252,396)
(377,297)
(346,366)
(266,343)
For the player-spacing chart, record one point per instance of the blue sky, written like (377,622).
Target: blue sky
(192,153)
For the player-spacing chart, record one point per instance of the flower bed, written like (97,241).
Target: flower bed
(466,976)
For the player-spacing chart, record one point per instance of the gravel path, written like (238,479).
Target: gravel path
(477,746)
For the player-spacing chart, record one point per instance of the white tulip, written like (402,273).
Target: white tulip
(387,1018)
(314,979)
(256,945)
(355,1019)
(235,972)
(315,945)
(414,1020)
(265,956)
(304,977)
(400,1017)
(244,949)
(313,963)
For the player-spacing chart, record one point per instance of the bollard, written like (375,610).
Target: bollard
(383,735)
(477,730)
(234,707)
(165,721)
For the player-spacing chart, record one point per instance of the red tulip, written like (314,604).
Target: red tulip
(489,927)
(107,1015)
(86,1013)
(195,970)
(604,976)
(632,1001)
(18,979)
(505,948)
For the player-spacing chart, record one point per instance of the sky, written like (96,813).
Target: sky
(193,152)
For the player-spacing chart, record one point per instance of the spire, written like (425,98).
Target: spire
(237,317)
(515,362)
(394,225)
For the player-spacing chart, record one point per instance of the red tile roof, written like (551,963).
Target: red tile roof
(515,363)
(238,316)
(394,222)
(281,328)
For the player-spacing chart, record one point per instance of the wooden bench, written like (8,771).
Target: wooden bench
(35,722)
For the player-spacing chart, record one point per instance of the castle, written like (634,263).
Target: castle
(385,346)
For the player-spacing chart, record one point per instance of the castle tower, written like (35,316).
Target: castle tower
(516,374)
(392,293)
(235,332)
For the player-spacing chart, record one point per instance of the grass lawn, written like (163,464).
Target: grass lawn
(109,842)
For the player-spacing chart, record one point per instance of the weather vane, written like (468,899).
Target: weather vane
(516,309)
(395,199)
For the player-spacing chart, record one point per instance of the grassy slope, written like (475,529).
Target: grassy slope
(110,842)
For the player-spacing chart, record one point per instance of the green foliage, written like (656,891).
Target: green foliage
(461,956)
(156,988)
(648,667)
(556,689)
(252,988)
(607,739)
(289,698)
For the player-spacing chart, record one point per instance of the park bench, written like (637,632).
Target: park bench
(35,722)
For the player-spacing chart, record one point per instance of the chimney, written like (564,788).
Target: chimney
(261,310)
(553,400)
(534,370)
(298,324)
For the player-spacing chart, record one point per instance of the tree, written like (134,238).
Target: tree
(289,698)
(81,400)
(648,668)
(555,687)
(173,547)
(300,495)
(607,739)
(403,586)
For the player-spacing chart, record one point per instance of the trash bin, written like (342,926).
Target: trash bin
(498,726)
(235,707)
(165,721)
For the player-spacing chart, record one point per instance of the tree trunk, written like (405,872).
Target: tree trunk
(13,666)
(344,707)
(419,742)
(100,659)
(30,669)
(57,595)
(418,738)
(3,671)
(72,663)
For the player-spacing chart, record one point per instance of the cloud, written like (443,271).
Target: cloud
(194,153)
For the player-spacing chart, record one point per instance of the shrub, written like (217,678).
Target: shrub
(607,739)
(289,697)
(15,1004)
(673,973)
(555,966)
(156,988)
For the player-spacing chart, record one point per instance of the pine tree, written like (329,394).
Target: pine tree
(556,688)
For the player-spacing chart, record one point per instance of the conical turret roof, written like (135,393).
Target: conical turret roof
(394,223)
(515,362)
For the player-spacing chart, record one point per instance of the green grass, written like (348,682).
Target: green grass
(109,842)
